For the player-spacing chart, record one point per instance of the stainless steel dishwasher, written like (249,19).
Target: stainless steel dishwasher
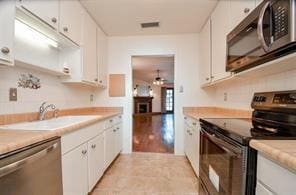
(33,170)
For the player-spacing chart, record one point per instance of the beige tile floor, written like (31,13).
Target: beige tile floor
(149,174)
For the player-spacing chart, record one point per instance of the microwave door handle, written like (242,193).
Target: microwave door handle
(265,47)
(21,163)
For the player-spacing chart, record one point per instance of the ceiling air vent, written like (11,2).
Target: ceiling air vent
(150,25)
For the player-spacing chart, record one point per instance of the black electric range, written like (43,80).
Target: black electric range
(227,163)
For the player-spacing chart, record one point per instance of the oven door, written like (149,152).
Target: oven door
(222,164)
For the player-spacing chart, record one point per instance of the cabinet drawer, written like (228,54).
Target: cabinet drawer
(275,177)
(75,138)
(261,190)
(113,121)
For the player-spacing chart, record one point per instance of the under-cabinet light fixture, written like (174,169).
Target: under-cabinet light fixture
(32,36)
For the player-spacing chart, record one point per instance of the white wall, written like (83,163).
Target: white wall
(184,48)
(241,91)
(156,101)
(52,91)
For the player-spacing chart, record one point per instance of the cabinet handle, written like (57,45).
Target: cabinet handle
(117,128)
(54,20)
(100,81)
(5,50)
(84,152)
(207,78)
(246,10)
(65,29)
(190,134)
(212,77)
(114,130)
(185,117)
(93,146)
(110,120)
(194,124)
(96,80)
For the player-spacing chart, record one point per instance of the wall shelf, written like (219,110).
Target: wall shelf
(83,83)
(277,66)
(50,71)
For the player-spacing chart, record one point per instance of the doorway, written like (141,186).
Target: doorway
(153,101)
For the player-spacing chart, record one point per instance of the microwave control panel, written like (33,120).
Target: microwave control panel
(281,13)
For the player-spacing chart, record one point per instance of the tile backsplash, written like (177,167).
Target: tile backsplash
(52,91)
(240,92)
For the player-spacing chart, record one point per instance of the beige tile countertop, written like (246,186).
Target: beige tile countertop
(15,139)
(216,112)
(280,151)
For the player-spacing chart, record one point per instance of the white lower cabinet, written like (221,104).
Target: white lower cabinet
(109,146)
(86,154)
(74,166)
(191,142)
(96,162)
(273,179)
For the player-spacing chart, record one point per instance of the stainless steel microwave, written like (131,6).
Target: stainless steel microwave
(267,33)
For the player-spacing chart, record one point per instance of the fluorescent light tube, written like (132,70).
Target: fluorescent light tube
(32,36)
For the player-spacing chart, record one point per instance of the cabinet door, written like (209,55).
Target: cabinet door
(109,146)
(96,160)
(239,10)
(220,28)
(47,11)
(71,13)
(118,138)
(7,15)
(102,47)
(195,149)
(74,168)
(89,47)
(186,139)
(205,53)
(261,190)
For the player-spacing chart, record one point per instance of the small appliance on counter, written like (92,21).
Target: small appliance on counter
(227,162)
(33,170)
(267,33)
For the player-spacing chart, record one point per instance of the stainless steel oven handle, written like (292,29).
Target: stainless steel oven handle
(223,144)
(21,163)
(265,47)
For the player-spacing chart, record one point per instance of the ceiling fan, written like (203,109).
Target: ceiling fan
(158,80)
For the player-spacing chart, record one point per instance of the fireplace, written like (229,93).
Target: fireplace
(142,105)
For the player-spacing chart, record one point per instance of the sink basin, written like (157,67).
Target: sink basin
(51,124)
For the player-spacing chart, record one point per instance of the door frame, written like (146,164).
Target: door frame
(131,95)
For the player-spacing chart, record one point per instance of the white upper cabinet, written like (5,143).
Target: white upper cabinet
(239,10)
(205,53)
(71,20)
(89,49)
(47,11)
(102,47)
(220,28)
(7,14)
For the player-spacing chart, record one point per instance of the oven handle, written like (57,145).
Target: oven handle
(265,47)
(21,163)
(229,148)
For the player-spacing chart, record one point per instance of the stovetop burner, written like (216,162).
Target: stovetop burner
(274,117)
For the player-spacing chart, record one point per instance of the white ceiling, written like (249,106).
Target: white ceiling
(145,68)
(123,17)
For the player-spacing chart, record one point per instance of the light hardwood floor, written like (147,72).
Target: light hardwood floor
(149,174)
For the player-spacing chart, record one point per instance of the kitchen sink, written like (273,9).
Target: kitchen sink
(51,124)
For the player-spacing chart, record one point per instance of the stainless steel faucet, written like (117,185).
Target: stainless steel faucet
(43,110)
